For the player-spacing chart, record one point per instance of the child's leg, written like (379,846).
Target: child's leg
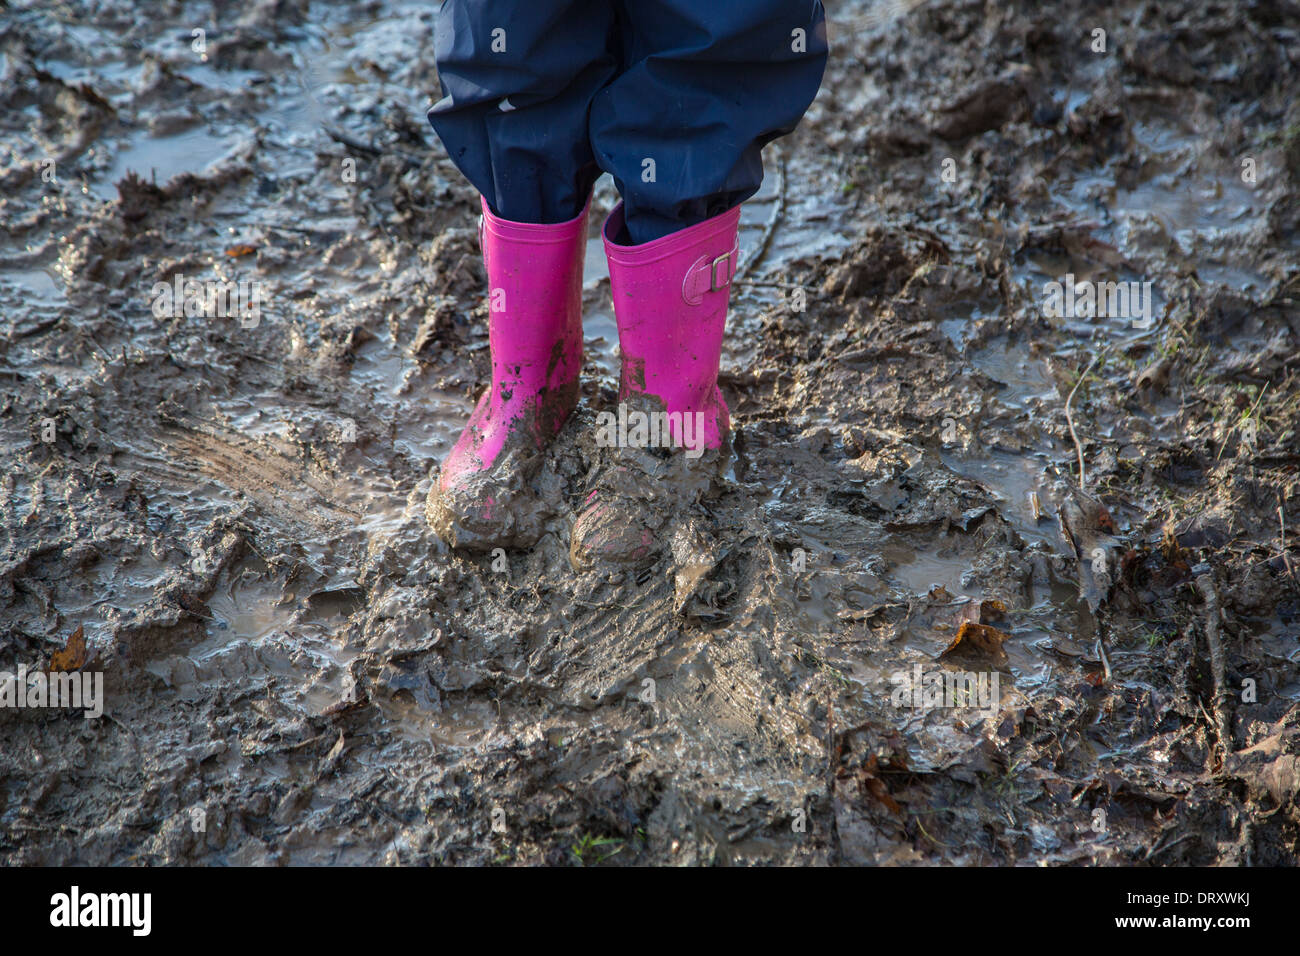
(518,79)
(707,84)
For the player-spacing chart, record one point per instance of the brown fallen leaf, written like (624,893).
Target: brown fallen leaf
(1154,376)
(73,656)
(989,104)
(872,784)
(1086,528)
(977,640)
(1082,247)
(194,605)
(1129,563)
(1104,521)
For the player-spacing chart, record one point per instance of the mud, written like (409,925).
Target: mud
(297,670)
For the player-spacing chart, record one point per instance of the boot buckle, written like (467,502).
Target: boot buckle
(714,284)
(710,275)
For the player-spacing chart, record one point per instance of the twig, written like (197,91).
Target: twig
(1069,418)
(1281,538)
(1161,846)
(926,834)
(1205,584)
(830,745)
(1105,661)
(1248,415)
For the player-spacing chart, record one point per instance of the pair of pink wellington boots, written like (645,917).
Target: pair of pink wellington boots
(670,302)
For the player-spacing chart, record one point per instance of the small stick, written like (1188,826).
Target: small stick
(1205,584)
(1286,558)
(1161,846)
(1083,476)
(1105,661)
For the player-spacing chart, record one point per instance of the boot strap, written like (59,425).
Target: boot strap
(710,275)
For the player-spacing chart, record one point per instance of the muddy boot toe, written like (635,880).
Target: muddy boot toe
(482,511)
(612,530)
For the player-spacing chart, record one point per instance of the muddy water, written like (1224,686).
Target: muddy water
(235,514)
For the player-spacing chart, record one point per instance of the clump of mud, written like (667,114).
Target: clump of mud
(990,580)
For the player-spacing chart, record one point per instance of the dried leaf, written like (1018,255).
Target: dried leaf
(1084,521)
(992,610)
(873,785)
(1082,246)
(73,656)
(193,604)
(336,750)
(979,640)
(1104,521)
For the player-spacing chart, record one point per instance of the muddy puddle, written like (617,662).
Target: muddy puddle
(298,671)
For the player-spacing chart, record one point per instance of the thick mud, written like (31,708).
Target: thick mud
(937,469)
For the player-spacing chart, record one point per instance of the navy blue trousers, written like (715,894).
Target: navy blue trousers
(673,98)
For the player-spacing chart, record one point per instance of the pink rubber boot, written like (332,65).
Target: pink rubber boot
(481,499)
(670,301)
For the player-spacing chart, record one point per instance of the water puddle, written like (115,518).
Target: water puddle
(1024,376)
(35,287)
(1198,202)
(423,430)
(244,607)
(159,159)
(919,572)
(1188,211)
(595,266)
(1240,279)
(258,628)
(1011,479)
(465,725)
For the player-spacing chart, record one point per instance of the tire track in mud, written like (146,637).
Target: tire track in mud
(301,505)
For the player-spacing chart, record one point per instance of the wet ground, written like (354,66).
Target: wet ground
(934,467)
